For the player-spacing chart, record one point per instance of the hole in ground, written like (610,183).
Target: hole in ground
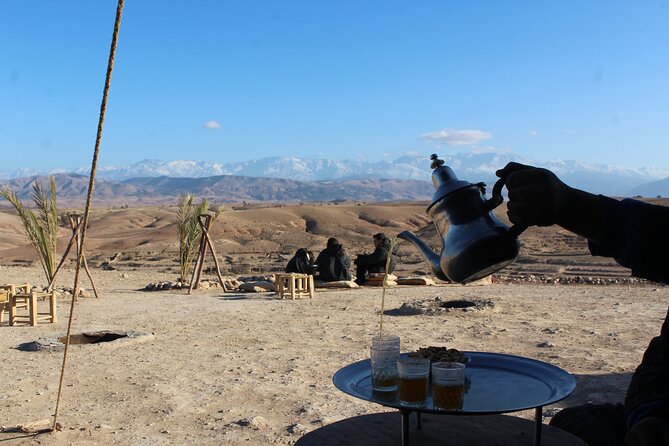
(458,304)
(93,337)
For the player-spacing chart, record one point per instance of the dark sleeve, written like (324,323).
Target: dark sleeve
(635,235)
(345,260)
(292,266)
(377,257)
(648,390)
(320,258)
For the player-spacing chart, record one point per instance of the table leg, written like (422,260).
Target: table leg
(53,307)
(12,310)
(405,426)
(32,306)
(538,414)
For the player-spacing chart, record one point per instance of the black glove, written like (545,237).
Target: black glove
(536,196)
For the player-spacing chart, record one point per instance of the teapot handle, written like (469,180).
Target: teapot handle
(497,199)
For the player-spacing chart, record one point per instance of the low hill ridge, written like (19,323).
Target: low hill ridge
(72,190)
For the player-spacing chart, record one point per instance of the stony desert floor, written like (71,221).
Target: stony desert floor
(247,368)
(229,368)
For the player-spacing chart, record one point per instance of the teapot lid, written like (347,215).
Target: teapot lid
(444,180)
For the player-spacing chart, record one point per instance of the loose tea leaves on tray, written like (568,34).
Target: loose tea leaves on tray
(439,354)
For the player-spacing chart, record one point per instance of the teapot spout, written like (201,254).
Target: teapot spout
(430,256)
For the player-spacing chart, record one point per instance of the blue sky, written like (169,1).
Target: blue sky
(238,80)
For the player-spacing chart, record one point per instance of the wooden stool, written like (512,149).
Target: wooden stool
(6,292)
(4,304)
(295,284)
(29,301)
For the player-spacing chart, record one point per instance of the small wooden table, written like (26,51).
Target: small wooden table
(294,284)
(494,384)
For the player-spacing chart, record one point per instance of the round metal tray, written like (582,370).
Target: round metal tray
(494,383)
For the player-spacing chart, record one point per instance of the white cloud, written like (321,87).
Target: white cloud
(457,137)
(211,125)
(534,133)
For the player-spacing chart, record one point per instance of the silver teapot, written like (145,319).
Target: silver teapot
(475,243)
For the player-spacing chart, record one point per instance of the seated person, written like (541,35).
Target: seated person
(634,234)
(302,262)
(333,262)
(376,261)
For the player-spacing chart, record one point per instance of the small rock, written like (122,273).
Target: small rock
(545,344)
(296,429)
(256,422)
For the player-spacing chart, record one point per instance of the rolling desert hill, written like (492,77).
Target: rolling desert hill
(261,238)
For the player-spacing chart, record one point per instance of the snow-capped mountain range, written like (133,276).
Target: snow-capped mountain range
(597,178)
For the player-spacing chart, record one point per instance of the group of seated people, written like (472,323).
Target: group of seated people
(333,263)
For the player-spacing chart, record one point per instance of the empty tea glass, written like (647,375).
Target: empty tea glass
(387,340)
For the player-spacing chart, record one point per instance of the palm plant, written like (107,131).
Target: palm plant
(189,230)
(41,226)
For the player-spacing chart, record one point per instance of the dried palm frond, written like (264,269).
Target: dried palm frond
(41,226)
(189,231)
(184,217)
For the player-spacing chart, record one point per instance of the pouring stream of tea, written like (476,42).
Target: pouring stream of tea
(393,241)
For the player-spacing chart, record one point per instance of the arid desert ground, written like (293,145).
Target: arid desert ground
(247,368)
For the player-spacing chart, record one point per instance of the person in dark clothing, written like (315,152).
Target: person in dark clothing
(376,261)
(302,262)
(633,233)
(333,262)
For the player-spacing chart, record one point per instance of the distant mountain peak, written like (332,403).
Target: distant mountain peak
(474,167)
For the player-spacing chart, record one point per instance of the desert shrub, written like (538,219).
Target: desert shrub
(189,231)
(41,226)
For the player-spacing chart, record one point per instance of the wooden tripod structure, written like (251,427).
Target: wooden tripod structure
(76,224)
(204,221)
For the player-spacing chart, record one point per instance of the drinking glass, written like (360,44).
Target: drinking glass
(387,340)
(448,385)
(384,366)
(413,376)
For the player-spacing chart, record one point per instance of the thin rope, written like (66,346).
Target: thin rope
(91,183)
